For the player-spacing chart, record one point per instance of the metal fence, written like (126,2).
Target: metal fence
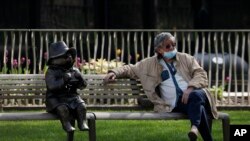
(224,54)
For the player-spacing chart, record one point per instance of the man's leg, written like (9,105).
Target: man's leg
(197,113)
(204,127)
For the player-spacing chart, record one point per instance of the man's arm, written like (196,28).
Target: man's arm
(129,71)
(199,75)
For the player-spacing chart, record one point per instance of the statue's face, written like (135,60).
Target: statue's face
(68,58)
(66,61)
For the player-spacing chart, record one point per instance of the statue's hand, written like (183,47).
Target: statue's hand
(67,77)
(78,76)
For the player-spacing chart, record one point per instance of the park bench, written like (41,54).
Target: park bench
(28,91)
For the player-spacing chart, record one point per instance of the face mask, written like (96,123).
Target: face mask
(170,54)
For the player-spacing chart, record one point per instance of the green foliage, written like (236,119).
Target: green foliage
(100,66)
(217,90)
(26,71)
(16,71)
(4,70)
(45,68)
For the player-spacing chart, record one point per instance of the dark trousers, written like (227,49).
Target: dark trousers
(198,111)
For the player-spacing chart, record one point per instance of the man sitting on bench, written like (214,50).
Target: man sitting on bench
(174,81)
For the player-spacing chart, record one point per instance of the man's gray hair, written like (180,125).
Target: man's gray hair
(159,38)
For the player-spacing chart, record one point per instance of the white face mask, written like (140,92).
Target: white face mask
(170,54)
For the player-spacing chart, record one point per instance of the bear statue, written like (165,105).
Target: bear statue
(62,81)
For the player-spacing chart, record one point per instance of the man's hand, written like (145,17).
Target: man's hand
(110,77)
(186,95)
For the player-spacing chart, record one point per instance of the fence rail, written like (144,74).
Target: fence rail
(223,53)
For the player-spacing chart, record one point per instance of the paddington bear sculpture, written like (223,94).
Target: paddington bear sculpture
(62,81)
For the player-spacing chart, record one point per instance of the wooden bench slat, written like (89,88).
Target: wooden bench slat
(116,83)
(24,82)
(24,92)
(85,96)
(20,76)
(114,87)
(110,96)
(29,91)
(42,82)
(22,96)
(43,86)
(11,87)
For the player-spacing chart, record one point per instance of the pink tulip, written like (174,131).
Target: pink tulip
(227,79)
(28,61)
(15,63)
(45,55)
(23,60)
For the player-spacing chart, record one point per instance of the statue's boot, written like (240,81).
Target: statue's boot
(64,116)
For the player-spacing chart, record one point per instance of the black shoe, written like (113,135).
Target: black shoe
(192,136)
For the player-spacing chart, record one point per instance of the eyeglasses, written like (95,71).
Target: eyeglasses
(170,45)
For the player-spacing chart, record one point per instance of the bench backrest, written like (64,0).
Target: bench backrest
(30,89)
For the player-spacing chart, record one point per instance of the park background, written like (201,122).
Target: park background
(110,33)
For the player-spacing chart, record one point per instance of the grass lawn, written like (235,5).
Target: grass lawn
(118,130)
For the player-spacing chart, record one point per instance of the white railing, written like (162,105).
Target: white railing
(223,53)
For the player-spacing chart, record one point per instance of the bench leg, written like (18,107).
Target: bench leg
(92,129)
(226,128)
(70,136)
